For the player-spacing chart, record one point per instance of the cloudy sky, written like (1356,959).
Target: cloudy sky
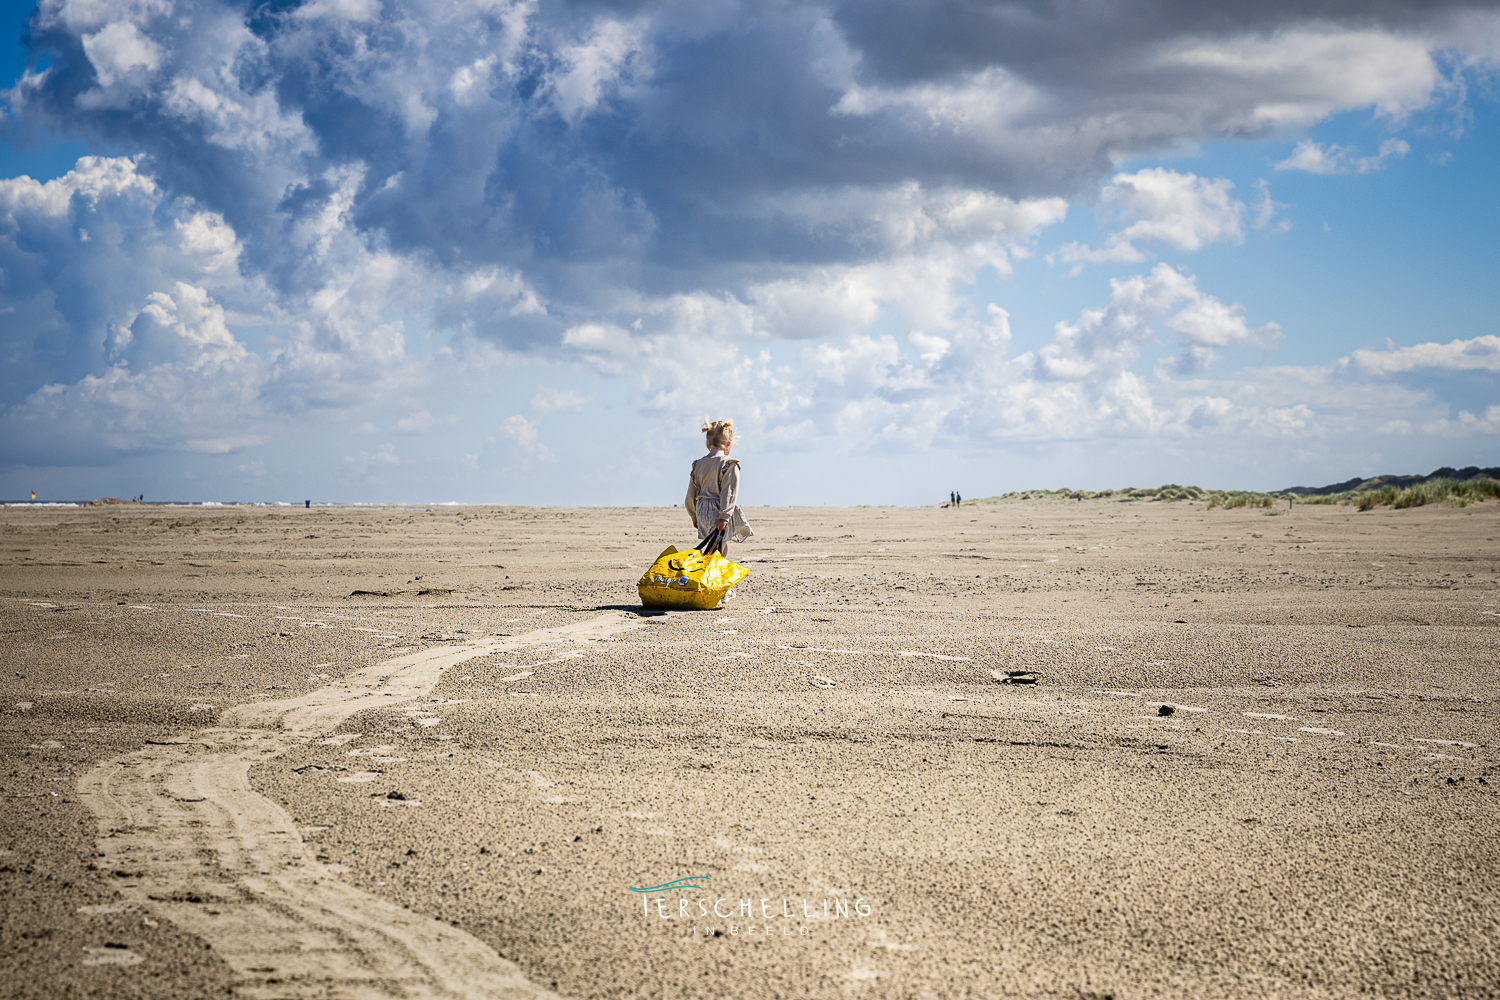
(493,251)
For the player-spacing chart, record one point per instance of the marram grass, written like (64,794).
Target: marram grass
(1456,492)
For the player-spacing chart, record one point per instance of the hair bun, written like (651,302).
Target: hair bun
(718,432)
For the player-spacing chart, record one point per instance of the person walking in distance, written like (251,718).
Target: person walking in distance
(958,499)
(714,488)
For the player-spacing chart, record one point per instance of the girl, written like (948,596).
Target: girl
(714,487)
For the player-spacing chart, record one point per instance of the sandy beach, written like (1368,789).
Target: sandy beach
(431,751)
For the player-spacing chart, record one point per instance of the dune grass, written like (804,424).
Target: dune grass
(1456,492)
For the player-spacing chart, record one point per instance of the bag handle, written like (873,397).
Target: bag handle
(710,541)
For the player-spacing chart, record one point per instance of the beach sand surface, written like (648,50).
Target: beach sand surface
(431,751)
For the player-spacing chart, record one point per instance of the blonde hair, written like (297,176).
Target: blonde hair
(718,433)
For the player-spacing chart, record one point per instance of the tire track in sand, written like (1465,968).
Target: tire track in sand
(190,840)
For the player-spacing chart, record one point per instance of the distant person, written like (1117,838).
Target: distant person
(952,497)
(958,499)
(713,491)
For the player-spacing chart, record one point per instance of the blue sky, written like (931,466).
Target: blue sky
(495,252)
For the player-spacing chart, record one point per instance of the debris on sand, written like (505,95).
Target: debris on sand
(1165,710)
(1015,676)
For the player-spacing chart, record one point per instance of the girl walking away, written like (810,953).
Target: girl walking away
(713,491)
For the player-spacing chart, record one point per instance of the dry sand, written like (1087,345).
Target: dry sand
(225,775)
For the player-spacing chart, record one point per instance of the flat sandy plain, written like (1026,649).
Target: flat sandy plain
(224,774)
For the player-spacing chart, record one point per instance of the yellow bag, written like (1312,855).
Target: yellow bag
(689,580)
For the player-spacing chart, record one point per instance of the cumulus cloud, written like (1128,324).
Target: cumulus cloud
(1466,424)
(118,298)
(1105,342)
(1318,158)
(524,433)
(694,150)
(652,189)
(1476,354)
(958,381)
(1184,211)
(555,400)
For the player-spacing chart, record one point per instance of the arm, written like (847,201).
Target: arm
(692,498)
(729,493)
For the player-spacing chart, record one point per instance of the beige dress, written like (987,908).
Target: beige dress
(713,492)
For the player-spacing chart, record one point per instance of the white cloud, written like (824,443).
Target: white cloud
(122,340)
(554,400)
(506,182)
(384,454)
(118,48)
(1317,158)
(1466,425)
(591,69)
(1184,211)
(1266,208)
(1476,354)
(956,381)
(1105,342)
(415,423)
(524,433)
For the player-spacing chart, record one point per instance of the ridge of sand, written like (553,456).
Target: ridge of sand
(197,845)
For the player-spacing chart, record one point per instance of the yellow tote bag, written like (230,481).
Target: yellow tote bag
(689,580)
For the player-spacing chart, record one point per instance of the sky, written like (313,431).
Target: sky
(516,252)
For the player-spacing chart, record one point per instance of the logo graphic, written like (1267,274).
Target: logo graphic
(687,882)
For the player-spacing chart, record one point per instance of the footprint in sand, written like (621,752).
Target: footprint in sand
(819,681)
